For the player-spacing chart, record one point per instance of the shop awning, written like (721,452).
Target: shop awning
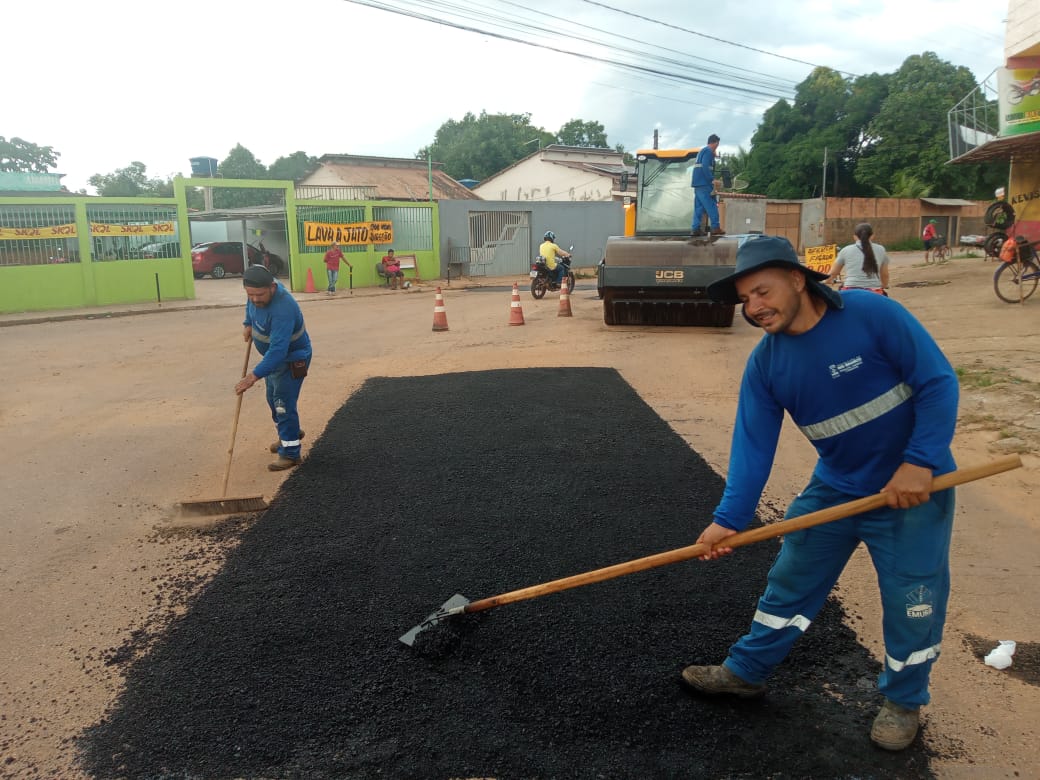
(1021,147)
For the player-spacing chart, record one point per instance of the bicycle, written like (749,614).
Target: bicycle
(1016,281)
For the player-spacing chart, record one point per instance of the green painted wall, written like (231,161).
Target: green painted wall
(106,282)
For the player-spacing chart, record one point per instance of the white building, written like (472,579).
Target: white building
(560,173)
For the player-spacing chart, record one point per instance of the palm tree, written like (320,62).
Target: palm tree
(905,185)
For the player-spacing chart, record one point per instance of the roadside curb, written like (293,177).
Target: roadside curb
(102,313)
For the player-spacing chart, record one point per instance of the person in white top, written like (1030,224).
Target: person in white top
(865,263)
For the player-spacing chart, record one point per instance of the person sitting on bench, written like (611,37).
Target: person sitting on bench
(392,270)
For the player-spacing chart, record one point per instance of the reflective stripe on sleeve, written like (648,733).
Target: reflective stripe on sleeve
(775,622)
(862,414)
(915,658)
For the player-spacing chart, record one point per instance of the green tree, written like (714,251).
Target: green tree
(242,164)
(788,148)
(905,185)
(910,133)
(292,168)
(578,132)
(476,147)
(130,182)
(26,157)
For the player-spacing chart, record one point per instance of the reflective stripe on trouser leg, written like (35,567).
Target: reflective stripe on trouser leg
(705,204)
(800,580)
(911,555)
(283,391)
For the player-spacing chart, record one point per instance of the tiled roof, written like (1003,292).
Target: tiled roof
(395,179)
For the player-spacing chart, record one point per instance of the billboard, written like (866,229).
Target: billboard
(1019,91)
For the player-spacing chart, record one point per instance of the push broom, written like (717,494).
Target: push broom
(227,505)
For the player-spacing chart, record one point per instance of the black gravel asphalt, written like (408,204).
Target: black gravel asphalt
(288,664)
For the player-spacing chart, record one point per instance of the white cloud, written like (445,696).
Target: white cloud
(112,81)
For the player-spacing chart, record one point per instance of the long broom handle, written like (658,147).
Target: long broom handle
(849,508)
(234,427)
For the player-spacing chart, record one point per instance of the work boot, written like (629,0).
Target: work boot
(718,679)
(718,231)
(283,463)
(894,727)
(697,234)
(276,444)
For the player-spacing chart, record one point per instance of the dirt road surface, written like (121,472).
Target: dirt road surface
(109,421)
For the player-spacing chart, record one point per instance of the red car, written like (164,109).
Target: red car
(220,258)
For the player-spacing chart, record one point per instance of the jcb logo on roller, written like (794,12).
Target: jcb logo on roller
(669,276)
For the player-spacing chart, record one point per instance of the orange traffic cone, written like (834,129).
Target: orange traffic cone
(309,287)
(440,317)
(516,314)
(565,300)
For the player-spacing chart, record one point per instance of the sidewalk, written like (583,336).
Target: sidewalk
(222,294)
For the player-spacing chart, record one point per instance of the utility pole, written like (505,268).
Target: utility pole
(429,170)
(823,190)
(655,138)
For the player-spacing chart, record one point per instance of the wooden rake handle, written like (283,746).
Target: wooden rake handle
(234,426)
(959,477)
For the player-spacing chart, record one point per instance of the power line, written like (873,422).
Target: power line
(468,11)
(710,37)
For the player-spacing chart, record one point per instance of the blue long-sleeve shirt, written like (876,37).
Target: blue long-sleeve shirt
(279,333)
(867,385)
(704,168)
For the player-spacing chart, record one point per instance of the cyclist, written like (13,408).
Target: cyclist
(930,237)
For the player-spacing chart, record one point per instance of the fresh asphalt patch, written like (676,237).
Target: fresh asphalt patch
(288,664)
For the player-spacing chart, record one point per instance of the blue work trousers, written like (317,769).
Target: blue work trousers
(910,549)
(283,391)
(704,203)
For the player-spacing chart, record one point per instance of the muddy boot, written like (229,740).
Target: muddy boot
(283,463)
(715,680)
(276,444)
(894,727)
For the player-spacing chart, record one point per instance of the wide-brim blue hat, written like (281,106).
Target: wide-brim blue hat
(758,252)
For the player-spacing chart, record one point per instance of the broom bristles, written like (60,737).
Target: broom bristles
(223,506)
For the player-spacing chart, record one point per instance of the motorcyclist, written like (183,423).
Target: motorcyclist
(550,252)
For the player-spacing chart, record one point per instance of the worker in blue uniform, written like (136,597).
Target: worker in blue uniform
(703,182)
(275,324)
(872,391)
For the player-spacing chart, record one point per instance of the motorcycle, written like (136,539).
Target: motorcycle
(542,278)
(1017,90)
(275,264)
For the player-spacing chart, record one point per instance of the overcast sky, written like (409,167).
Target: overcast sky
(107,82)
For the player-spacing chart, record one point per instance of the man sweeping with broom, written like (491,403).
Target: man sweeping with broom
(275,324)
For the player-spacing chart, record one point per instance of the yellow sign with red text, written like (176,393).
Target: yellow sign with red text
(96,229)
(350,234)
(821,258)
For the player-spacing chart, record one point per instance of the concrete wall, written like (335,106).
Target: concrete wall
(1022,36)
(743,215)
(585,225)
(897,219)
(812,227)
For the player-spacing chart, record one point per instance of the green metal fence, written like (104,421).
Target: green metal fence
(78,251)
